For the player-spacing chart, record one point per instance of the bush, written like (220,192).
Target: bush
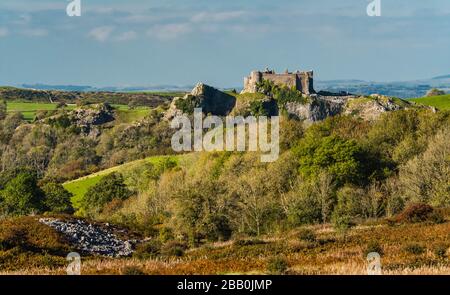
(150,249)
(173,248)
(22,195)
(415,249)
(109,188)
(307,235)
(373,246)
(341,221)
(132,271)
(26,234)
(277,265)
(419,213)
(57,198)
(165,234)
(248,242)
(441,251)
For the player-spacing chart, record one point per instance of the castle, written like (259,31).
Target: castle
(302,81)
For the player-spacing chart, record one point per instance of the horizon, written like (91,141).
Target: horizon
(178,42)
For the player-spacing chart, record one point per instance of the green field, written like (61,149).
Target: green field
(81,185)
(441,102)
(127,115)
(29,109)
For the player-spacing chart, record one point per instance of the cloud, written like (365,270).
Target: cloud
(4,32)
(126,36)
(35,32)
(221,16)
(169,31)
(101,34)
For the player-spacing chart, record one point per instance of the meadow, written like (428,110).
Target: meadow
(29,109)
(441,102)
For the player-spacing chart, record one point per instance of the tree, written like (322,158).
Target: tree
(426,177)
(57,198)
(22,196)
(109,188)
(342,159)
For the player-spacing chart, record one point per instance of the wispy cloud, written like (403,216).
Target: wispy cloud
(101,34)
(220,16)
(126,36)
(169,31)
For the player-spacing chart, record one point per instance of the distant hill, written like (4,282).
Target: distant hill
(441,77)
(85,88)
(151,99)
(401,89)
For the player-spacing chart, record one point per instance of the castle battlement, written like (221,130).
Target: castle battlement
(302,81)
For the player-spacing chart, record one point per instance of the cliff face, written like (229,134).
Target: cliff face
(211,100)
(319,107)
(316,108)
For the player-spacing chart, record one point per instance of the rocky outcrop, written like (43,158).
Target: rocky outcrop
(320,107)
(211,100)
(86,118)
(371,107)
(91,239)
(317,107)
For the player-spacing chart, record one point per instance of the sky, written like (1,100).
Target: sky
(182,42)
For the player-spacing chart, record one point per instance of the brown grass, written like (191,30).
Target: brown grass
(330,253)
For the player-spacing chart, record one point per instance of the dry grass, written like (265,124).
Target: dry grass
(331,253)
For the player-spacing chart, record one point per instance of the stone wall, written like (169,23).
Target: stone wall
(302,81)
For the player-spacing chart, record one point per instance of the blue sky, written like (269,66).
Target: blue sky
(181,42)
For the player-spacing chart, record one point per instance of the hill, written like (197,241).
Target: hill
(80,186)
(441,102)
(136,98)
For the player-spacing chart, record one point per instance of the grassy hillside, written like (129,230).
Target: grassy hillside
(81,185)
(441,102)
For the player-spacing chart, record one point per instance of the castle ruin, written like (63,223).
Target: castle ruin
(302,81)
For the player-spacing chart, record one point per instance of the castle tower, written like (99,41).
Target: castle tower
(302,81)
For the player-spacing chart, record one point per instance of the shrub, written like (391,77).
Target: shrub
(248,242)
(28,235)
(418,213)
(437,217)
(441,251)
(165,234)
(341,221)
(57,198)
(173,248)
(132,271)
(277,265)
(150,249)
(373,246)
(22,195)
(307,235)
(415,249)
(109,188)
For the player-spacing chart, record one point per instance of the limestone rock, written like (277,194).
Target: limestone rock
(91,239)
(317,108)
(211,100)
(86,118)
